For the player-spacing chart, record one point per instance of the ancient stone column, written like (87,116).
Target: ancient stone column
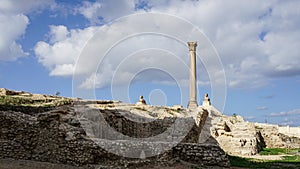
(193,80)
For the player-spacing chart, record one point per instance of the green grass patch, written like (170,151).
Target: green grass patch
(244,162)
(294,150)
(273,151)
(27,101)
(9,100)
(289,162)
(295,158)
(278,151)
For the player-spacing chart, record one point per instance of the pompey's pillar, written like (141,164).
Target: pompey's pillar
(192,105)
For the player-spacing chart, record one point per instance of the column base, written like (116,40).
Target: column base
(192,105)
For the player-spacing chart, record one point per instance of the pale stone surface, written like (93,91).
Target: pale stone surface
(177,107)
(286,130)
(232,133)
(193,77)
(275,138)
(4,92)
(290,131)
(39,97)
(237,137)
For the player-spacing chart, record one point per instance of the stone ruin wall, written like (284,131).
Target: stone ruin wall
(286,130)
(278,136)
(289,131)
(58,137)
(237,137)
(172,127)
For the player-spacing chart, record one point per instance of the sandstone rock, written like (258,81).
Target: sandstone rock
(2,92)
(232,133)
(5,92)
(177,107)
(273,138)
(56,136)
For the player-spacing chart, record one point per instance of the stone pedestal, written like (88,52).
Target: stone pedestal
(192,105)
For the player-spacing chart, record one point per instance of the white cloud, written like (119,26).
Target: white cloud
(17,6)
(256,40)
(271,96)
(60,54)
(123,61)
(235,28)
(11,28)
(106,11)
(262,108)
(13,24)
(286,113)
(144,62)
(58,33)
(63,70)
(250,117)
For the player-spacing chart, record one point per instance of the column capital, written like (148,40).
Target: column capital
(192,46)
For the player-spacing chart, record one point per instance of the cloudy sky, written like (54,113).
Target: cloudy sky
(248,52)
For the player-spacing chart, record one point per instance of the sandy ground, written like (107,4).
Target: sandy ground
(267,157)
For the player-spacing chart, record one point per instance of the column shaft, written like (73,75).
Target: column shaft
(193,76)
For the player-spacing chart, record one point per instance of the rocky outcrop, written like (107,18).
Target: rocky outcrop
(5,92)
(240,139)
(12,99)
(274,139)
(58,136)
(234,135)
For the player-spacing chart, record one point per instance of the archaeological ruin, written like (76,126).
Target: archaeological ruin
(112,134)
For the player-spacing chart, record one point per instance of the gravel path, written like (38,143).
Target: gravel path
(267,157)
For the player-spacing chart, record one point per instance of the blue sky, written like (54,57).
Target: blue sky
(45,44)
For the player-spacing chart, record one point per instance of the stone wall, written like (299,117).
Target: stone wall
(286,130)
(111,124)
(289,131)
(201,154)
(58,137)
(274,137)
